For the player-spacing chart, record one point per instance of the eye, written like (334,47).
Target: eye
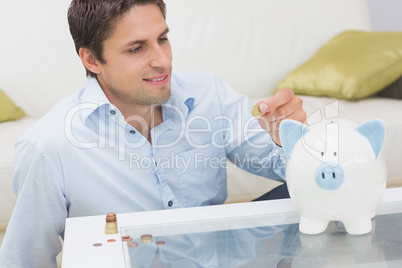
(322,153)
(335,153)
(135,49)
(162,39)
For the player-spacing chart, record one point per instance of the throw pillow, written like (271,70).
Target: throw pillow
(8,109)
(353,65)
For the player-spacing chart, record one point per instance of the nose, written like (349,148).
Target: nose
(161,56)
(329,176)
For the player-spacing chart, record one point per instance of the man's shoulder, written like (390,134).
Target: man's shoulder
(51,125)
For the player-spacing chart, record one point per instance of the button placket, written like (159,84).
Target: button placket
(167,195)
(154,159)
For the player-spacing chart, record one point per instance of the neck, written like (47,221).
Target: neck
(143,118)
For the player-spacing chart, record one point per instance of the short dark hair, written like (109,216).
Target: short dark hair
(92,21)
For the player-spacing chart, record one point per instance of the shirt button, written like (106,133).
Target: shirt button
(112,111)
(132,132)
(170,203)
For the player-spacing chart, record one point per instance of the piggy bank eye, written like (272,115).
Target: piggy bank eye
(334,153)
(322,153)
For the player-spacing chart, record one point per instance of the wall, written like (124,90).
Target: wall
(385,15)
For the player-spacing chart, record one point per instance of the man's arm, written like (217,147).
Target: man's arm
(248,146)
(32,236)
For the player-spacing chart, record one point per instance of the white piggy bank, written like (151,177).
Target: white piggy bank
(335,172)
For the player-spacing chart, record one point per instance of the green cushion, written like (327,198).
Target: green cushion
(8,109)
(353,65)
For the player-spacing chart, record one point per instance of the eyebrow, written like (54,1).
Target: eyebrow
(134,42)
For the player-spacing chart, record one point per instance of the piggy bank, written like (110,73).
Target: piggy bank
(335,172)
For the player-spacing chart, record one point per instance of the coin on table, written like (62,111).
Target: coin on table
(111,217)
(132,244)
(111,240)
(111,214)
(97,245)
(126,238)
(160,243)
(146,238)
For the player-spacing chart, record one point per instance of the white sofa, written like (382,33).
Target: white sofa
(251,44)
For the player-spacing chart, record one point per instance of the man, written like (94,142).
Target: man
(137,137)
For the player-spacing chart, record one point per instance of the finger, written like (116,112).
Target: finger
(294,106)
(285,111)
(267,119)
(280,98)
(273,129)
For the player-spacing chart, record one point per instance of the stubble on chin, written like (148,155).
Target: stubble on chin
(153,100)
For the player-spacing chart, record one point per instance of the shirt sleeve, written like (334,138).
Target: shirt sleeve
(38,219)
(248,145)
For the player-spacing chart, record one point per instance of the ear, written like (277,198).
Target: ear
(290,132)
(89,60)
(374,132)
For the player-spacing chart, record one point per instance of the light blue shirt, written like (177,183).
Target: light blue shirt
(83,158)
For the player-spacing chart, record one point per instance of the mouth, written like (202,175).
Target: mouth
(158,80)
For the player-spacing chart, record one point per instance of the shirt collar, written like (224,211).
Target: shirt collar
(92,98)
(180,103)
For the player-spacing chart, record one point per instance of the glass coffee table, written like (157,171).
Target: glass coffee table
(255,234)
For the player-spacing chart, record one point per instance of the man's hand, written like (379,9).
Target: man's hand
(283,105)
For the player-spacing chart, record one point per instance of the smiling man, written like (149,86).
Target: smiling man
(134,68)
(137,137)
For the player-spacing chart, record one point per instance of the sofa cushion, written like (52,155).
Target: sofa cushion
(8,109)
(352,65)
(254,45)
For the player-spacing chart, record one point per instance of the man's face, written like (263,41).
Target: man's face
(138,59)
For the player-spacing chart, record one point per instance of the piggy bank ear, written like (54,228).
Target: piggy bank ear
(374,132)
(290,132)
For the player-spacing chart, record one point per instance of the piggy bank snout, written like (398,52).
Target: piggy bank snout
(329,176)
